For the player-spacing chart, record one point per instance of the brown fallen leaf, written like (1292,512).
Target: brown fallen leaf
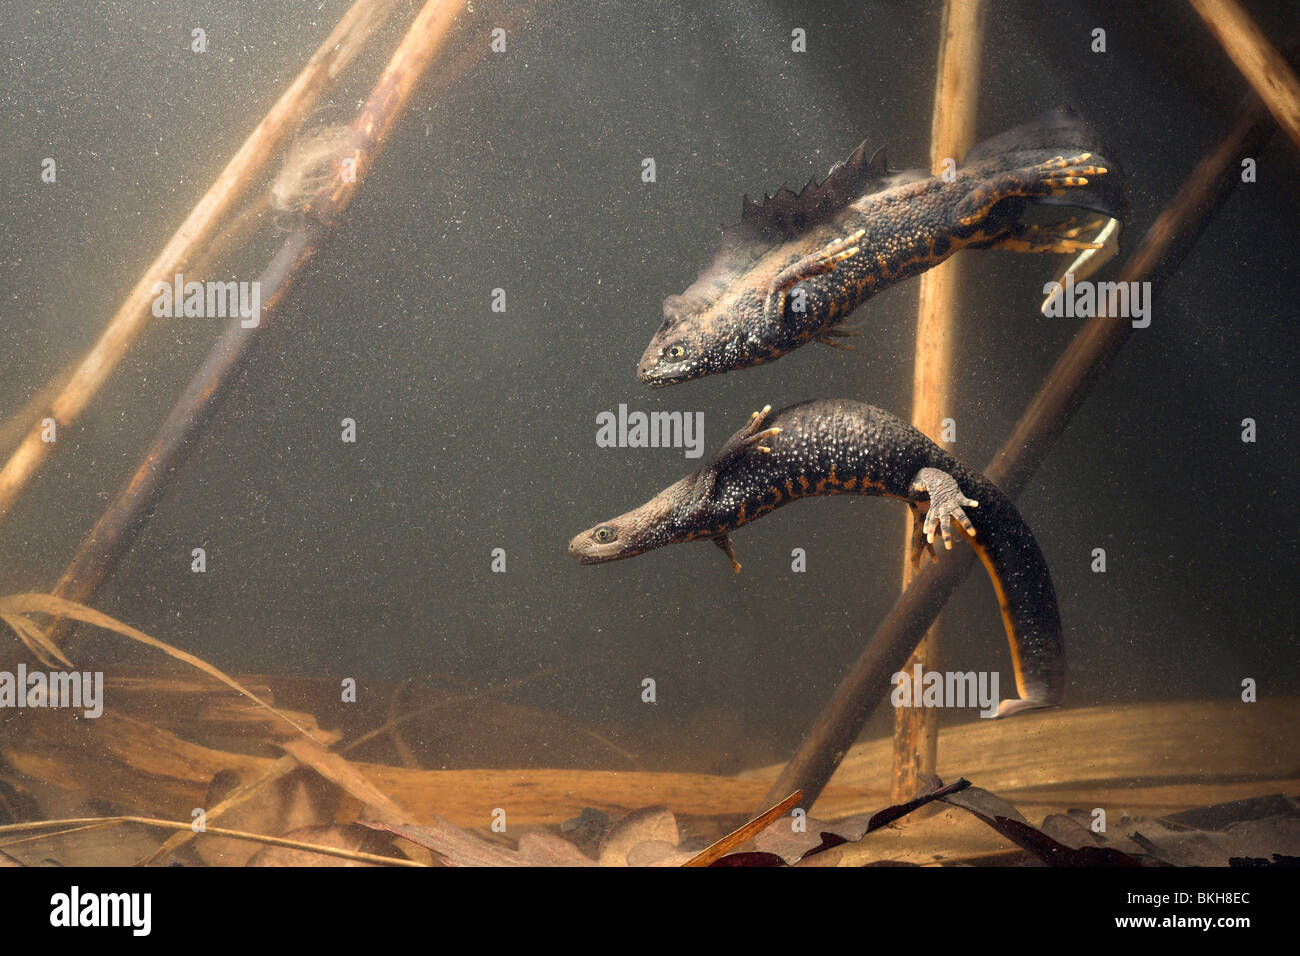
(461,848)
(340,771)
(1007,820)
(647,825)
(816,836)
(658,853)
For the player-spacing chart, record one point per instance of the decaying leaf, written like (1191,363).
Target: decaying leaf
(657,853)
(817,836)
(647,825)
(1007,820)
(338,770)
(459,847)
(1250,839)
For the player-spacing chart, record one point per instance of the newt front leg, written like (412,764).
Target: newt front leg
(824,260)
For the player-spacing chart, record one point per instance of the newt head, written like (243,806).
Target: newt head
(601,543)
(652,525)
(691,343)
(730,317)
(678,360)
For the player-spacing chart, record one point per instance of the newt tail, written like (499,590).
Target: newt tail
(836,447)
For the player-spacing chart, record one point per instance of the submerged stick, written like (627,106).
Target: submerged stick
(1088,356)
(116,528)
(952,133)
(183,825)
(243,169)
(1264,68)
(719,849)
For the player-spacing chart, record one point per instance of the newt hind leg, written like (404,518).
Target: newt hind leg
(920,546)
(1060,237)
(1050,178)
(946,503)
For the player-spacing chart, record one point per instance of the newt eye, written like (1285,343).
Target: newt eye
(675,351)
(604,534)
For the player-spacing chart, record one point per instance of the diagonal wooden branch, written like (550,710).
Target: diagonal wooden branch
(116,528)
(735,838)
(1088,356)
(131,317)
(1265,69)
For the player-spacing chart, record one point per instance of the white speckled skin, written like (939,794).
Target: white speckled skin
(839,446)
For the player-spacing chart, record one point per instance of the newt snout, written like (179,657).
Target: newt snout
(668,363)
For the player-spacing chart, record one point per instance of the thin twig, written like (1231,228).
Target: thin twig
(244,168)
(212,831)
(741,834)
(116,528)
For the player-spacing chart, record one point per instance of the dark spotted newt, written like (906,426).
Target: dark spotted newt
(798,264)
(841,447)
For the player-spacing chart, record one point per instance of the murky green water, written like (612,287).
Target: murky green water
(476,429)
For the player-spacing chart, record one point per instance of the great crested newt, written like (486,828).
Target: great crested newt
(843,447)
(797,265)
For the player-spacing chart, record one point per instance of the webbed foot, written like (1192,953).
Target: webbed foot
(1059,174)
(1060,237)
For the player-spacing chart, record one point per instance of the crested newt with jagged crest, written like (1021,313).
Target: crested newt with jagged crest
(842,447)
(797,264)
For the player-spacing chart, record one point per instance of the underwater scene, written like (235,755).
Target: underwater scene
(400,402)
